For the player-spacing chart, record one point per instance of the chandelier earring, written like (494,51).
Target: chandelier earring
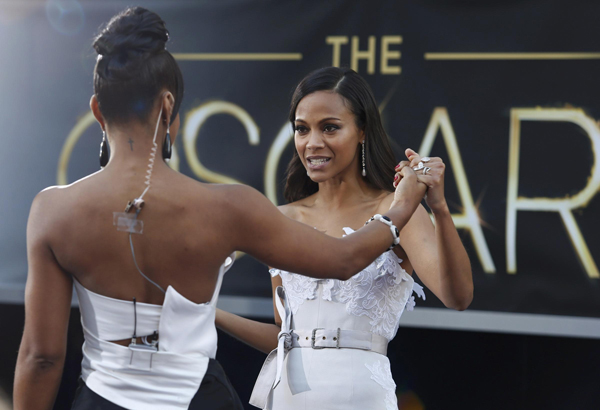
(166,149)
(364,171)
(103,150)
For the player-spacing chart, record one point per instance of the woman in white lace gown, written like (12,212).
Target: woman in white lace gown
(333,335)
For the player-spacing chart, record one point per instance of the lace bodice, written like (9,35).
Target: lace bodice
(378,294)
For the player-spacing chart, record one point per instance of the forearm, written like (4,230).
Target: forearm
(261,336)
(455,277)
(36,383)
(360,256)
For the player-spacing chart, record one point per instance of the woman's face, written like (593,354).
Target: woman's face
(326,136)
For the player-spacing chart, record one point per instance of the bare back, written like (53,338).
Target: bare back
(183,243)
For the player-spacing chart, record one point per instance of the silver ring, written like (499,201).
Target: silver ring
(425,159)
(419,166)
(426,170)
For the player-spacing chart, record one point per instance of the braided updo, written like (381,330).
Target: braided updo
(133,66)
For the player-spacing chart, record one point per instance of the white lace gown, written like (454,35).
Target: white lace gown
(348,379)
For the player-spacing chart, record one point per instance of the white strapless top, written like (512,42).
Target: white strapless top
(162,380)
(373,300)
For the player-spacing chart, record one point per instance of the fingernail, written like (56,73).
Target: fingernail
(395,177)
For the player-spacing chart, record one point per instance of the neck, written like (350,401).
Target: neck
(131,147)
(344,190)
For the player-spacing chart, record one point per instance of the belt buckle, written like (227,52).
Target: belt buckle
(314,338)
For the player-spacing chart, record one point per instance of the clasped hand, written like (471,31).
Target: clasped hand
(429,171)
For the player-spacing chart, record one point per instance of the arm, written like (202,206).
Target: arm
(439,257)
(261,336)
(262,231)
(47,307)
(283,242)
(437,253)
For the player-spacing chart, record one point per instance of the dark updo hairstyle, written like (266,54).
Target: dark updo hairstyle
(358,97)
(133,66)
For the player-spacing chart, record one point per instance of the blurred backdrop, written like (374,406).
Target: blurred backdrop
(504,91)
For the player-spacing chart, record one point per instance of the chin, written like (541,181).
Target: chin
(318,177)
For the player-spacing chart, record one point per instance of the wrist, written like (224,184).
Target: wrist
(400,212)
(440,208)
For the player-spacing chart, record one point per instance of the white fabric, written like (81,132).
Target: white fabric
(163,380)
(350,379)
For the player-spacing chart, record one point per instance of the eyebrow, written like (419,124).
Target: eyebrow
(323,120)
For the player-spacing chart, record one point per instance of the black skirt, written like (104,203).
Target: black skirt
(215,393)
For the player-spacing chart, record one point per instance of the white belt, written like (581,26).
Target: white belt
(339,339)
(318,338)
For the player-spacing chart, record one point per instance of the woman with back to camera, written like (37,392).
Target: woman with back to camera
(145,247)
(334,334)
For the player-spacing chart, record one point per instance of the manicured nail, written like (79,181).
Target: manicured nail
(395,177)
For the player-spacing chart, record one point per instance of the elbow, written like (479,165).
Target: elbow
(42,360)
(44,363)
(463,301)
(342,273)
(352,260)
(349,267)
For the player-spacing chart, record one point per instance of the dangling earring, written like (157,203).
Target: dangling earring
(103,151)
(364,171)
(166,149)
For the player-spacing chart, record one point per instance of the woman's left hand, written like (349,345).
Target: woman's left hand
(430,171)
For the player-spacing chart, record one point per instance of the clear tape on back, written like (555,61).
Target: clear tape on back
(127,222)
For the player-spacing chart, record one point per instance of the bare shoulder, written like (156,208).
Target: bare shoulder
(49,201)
(386,202)
(45,213)
(289,210)
(298,210)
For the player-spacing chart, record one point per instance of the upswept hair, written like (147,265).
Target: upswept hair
(133,66)
(357,95)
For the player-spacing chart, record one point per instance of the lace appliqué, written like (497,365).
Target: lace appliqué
(379,292)
(382,375)
(382,292)
(298,287)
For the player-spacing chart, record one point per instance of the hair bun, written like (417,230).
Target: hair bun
(131,35)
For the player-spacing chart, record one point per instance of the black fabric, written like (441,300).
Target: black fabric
(215,393)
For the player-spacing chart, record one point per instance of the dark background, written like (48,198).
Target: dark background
(45,76)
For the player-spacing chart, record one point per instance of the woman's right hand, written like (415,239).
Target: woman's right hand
(408,187)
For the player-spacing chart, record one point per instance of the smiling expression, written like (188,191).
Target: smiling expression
(326,136)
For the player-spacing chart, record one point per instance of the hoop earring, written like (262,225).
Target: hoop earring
(166,149)
(103,151)
(364,171)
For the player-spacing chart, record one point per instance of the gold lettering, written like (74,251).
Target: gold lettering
(194,121)
(368,54)
(336,42)
(387,54)
(469,218)
(563,206)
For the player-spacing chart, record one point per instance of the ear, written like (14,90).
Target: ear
(96,111)
(168,103)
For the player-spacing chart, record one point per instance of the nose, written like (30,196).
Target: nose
(315,141)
